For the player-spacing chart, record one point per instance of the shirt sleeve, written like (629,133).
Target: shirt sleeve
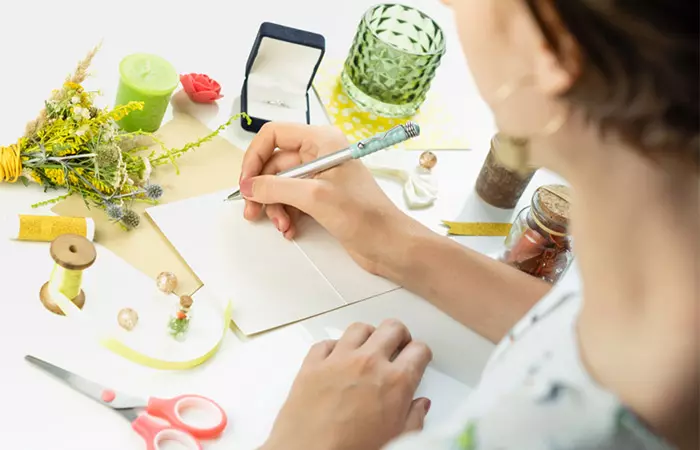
(549,415)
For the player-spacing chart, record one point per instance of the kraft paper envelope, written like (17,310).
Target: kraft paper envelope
(270,280)
(212,167)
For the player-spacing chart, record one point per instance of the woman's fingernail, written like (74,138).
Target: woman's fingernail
(246,187)
(276,222)
(427,405)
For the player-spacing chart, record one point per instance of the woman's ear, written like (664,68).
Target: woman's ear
(549,71)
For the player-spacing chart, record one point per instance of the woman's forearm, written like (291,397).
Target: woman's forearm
(485,295)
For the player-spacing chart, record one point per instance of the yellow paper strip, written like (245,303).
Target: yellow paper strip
(477,228)
(123,350)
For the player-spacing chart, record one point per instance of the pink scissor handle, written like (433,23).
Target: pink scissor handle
(155,434)
(171,410)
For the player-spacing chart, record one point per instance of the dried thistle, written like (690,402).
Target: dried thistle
(153,191)
(115,212)
(130,219)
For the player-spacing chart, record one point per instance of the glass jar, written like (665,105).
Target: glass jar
(498,185)
(539,243)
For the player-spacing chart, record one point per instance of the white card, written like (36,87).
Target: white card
(270,281)
(350,280)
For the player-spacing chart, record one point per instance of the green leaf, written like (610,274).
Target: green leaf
(467,440)
(24,181)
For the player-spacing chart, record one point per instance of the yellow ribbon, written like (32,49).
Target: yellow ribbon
(10,164)
(477,228)
(116,346)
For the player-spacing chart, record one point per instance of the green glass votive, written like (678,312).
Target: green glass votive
(393,60)
(149,79)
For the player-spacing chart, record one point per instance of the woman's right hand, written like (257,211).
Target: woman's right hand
(346,200)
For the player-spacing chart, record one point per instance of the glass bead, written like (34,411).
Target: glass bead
(127,318)
(186,301)
(166,282)
(427,160)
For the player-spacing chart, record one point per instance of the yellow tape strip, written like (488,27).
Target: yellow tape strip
(48,228)
(123,350)
(477,228)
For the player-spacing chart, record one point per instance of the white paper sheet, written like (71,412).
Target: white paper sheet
(270,280)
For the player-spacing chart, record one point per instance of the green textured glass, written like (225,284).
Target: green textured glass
(393,60)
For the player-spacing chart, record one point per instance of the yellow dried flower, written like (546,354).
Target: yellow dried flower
(101,185)
(68,150)
(73,86)
(122,111)
(73,178)
(56,176)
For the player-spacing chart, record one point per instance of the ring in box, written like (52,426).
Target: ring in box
(279,73)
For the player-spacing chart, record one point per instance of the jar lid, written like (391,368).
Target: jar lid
(553,202)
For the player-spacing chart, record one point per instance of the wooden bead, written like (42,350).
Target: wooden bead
(427,160)
(185,301)
(166,282)
(127,318)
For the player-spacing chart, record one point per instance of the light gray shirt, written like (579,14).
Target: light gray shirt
(535,393)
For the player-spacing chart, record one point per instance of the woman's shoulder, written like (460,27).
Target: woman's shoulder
(553,416)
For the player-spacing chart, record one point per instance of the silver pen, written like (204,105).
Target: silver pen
(381,141)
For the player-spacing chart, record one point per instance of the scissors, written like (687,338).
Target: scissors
(153,431)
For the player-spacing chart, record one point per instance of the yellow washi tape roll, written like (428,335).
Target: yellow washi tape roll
(27,227)
(477,228)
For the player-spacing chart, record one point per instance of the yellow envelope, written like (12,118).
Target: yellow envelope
(212,167)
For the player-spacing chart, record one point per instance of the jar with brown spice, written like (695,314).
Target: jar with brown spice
(498,185)
(539,243)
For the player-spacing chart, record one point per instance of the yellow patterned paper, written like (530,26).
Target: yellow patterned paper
(438,129)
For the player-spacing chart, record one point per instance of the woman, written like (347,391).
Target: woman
(604,92)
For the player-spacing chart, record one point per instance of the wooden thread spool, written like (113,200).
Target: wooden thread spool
(72,255)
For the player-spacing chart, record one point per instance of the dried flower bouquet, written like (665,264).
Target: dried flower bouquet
(76,146)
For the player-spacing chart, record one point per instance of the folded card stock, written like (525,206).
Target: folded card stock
(270,280)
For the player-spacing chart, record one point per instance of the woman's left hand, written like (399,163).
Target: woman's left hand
(355,393)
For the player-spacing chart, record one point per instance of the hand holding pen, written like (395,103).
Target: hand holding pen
(344,198)
(365,147)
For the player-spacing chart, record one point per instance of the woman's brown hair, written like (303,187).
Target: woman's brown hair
(638,74)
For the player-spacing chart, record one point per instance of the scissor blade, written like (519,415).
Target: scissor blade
(89,388)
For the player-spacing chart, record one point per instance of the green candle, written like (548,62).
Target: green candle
(149,79)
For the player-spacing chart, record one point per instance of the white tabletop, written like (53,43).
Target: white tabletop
(41,44)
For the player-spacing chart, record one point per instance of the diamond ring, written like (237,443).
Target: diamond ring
(279,103)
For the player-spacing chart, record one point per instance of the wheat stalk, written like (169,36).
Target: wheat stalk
(81,71)
(78,76)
